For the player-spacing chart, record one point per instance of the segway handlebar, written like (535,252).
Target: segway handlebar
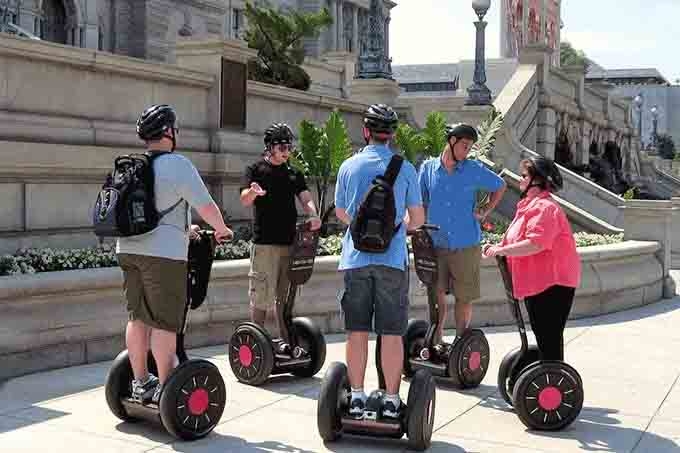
(424,227)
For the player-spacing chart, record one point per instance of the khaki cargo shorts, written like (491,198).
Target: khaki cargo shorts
(155,289)
(459,272)
(268,276)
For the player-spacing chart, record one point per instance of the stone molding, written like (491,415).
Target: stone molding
(100,61)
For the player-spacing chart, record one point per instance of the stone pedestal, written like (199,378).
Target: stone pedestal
(347,61)
(652,220)
(374,91)
(675,234)
(227,61)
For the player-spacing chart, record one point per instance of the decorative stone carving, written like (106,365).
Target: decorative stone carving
(373,61)
(186,29)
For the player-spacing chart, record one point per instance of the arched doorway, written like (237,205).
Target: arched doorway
(53,26)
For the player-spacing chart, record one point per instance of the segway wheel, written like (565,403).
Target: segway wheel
(469,359)
(548,396)
(309,338)
(119,385)
(508,377)
(250,354)
(192,400)
(416,331)
(420,410)
(333,402)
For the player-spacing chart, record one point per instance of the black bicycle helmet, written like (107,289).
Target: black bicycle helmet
(461,131)
(278,134)
(380,118)
(155,120)
(547,170)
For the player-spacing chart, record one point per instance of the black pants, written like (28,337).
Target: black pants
(548,313)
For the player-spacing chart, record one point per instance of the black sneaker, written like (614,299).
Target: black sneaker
(356,407)
(390,411)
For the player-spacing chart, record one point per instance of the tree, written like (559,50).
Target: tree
(277,37)
(666,146)
(487,135)
(572,57)
(321,151)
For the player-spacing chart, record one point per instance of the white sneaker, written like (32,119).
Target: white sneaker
(143,391)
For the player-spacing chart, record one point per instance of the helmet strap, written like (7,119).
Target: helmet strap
(453,154)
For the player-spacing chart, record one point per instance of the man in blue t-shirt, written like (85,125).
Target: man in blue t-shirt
(449,184)
(376,283)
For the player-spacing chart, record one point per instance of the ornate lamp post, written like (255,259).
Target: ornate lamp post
(478,92)
(655,117)
(638,103)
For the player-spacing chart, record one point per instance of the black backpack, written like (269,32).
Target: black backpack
(126,204)
(373,228)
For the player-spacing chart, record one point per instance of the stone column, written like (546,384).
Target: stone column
(543,24)
(355,29)
(334,28)
(341,27)
(675,235)
(651,220)
(525,24)
(387,37)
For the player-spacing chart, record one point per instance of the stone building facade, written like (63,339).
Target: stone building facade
(149,28)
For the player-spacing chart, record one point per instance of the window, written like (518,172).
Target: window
(236,22)
(100,44)
(82,37)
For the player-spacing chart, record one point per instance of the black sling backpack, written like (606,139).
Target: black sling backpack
(373,228)
(126,204)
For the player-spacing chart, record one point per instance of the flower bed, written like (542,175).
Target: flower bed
(30,261)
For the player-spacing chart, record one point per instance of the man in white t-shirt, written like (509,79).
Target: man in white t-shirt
(154,264)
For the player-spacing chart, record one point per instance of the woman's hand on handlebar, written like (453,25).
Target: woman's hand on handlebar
(225,235)
(489,251)
(314,223)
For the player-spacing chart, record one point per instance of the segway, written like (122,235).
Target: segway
(465,362)
(194,395)
(254,355)
(416,421)
(546,394)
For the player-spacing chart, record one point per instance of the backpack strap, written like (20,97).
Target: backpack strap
(164,212)
(393,169)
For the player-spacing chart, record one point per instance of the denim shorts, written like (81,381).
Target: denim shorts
(375,290)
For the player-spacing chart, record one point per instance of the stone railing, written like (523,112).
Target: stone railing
(513,102)
(68,318)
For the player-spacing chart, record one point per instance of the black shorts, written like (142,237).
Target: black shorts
(375,290)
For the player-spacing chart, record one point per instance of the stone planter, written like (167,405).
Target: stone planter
(59,319)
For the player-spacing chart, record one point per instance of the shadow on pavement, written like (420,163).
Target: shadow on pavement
(213,443)
(351,444)
(596,430)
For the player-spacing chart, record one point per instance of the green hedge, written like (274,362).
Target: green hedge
(30,261)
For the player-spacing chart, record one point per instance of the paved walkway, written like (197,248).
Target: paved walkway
(629,361)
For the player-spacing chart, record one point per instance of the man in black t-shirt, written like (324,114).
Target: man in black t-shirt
(272,186)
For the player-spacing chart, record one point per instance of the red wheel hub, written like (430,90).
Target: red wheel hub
(550,398)
(475,361)
(198,401)
(245,355)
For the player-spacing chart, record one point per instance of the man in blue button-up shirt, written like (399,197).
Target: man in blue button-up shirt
(376,283)
(449,186)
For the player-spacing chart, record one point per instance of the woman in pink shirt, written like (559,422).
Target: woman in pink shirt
(542,256)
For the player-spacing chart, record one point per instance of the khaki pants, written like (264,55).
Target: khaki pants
(155,289)
(268,276)
(459,271)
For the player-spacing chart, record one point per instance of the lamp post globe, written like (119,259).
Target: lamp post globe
(481,7)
